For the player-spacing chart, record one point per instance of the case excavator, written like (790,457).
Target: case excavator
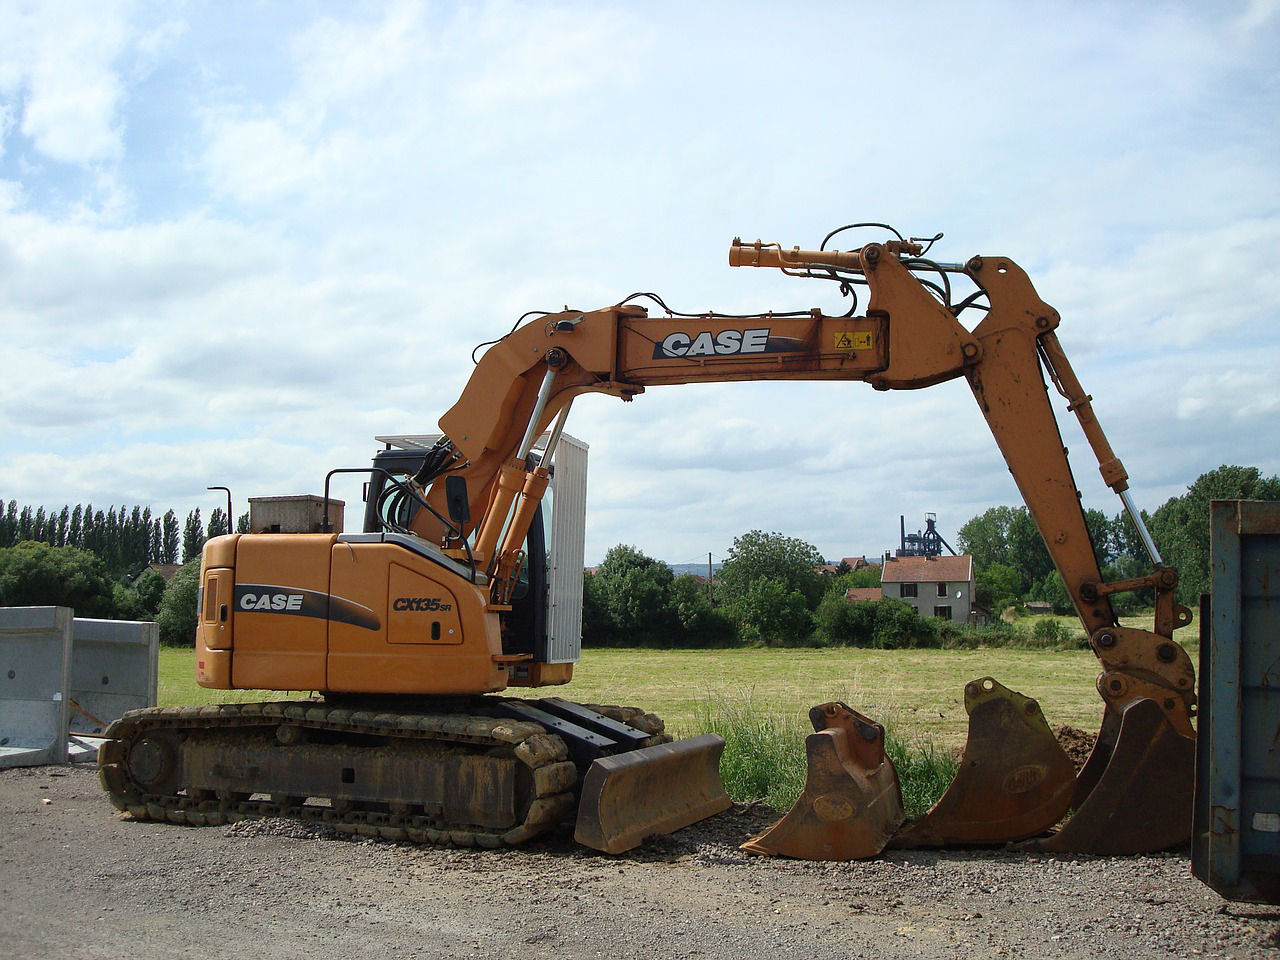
(410,631)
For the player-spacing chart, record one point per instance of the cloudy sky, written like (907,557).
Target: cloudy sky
(238,240)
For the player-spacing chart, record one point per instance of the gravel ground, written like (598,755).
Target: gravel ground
(77,879)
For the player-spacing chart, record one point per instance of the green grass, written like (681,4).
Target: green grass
(764,756)
(917,693)
(1188,636)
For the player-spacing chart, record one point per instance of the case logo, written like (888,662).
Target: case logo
(298,602)
(289,602)
(723,344)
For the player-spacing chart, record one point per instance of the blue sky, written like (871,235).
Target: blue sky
(238,240)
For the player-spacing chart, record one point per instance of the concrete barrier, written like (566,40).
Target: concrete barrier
(113,669)
(35,663)
(63,680)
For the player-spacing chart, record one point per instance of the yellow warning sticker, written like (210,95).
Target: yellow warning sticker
(853,340)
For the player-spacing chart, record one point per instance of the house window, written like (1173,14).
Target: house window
(943,612)
(942,589)
(908,590)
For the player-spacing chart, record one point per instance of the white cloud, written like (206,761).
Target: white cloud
(1240,392)
(311,241)
(61,60)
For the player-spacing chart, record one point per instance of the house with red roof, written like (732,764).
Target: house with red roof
(934,586)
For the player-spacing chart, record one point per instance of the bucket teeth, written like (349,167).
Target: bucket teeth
(1014,780)
(851,804)
(1141,800)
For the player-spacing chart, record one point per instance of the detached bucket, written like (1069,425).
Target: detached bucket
(654,790)
(1141,802)
(851,804)
(1014,780)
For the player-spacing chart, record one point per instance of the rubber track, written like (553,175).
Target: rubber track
(553,776)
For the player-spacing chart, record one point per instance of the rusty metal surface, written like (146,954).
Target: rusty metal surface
(470,780)
(1014,780)
(463,788)
(851,804)
(650,791)
(1142,801)
(1236,845)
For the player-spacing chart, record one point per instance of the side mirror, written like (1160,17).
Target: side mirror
(455,495)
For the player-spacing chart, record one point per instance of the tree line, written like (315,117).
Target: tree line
(125,539)
(1012,564)
(770,592)
(100,562)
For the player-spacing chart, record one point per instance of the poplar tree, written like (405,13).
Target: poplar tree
(217,523)
(170,540)
(74,532)
(192,536)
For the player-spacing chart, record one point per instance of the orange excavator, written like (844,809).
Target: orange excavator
(410,630)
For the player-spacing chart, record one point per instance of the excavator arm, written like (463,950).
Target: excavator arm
(908,337)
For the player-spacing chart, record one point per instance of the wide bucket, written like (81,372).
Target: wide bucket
(631,796)
(1142,801)
(1014,781)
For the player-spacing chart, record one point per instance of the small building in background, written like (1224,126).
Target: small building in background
(853,563)
(934,586)
(862,594)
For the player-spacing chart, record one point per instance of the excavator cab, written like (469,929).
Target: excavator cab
(391,507)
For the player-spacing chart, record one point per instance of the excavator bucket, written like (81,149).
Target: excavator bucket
(654,790)
(1142,799)
(851,804)
(1014,780)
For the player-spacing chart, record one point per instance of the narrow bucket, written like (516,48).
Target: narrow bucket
(1141,802)
(1014,780)
(851,804)
(651,791)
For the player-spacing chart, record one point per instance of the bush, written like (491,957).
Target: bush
(148,589)
(35,574)
(177,614)
(884,624)
(770,613)
(997,634)
(701,625)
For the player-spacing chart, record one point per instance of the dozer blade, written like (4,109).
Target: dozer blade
(654,790)
(1142,800)
(1014,780)
(851,804)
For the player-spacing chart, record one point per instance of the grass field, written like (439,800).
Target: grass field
(917,693)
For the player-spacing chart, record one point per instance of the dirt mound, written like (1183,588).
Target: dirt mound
(1076,742)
